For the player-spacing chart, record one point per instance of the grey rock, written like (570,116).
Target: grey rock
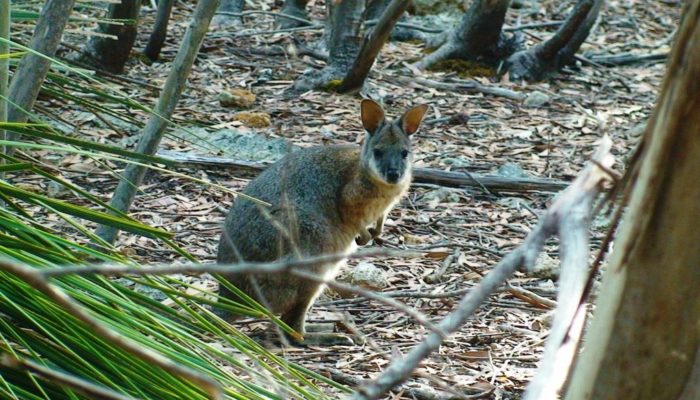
(536,99)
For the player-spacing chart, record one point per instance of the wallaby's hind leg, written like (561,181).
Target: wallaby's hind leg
(296,319)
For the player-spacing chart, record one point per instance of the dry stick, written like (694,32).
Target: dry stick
(267,268)
(355,78)
(240,268)
(574,249)
(469,86)
(583,189)
(413,393)
(493,183)
(32,69)
(155,128)
(38,281)
(61,378)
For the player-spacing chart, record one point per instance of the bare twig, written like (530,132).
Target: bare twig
(61,378)
(557,218)
(37,280)
(240,268)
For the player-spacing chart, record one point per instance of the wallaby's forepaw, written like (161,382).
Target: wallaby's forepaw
(367,235)
(364,238)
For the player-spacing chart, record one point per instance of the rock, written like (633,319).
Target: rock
(536,99)
(237,97)
(546,267)
(368,276)
(442,195)
(253,119)
(511,170)
(237,145)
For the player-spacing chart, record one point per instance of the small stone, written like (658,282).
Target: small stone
(368,276)
(536,99)
(546,267)
(237,97)
(511,170)
(253,119)
(442,195)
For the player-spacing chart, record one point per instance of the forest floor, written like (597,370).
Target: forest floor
(466,230)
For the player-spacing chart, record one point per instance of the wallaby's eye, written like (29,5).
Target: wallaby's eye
(404,153)
(378,153)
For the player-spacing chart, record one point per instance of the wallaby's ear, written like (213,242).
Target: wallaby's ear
(372,115)
(411,120)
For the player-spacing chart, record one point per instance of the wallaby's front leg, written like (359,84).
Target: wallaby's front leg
(378,226)
(367,234)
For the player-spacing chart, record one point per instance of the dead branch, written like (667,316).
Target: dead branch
(467,86)
(61,378)
(492,183)
(556,219)
(37,280)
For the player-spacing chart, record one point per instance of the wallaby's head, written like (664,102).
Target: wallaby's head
(386,152)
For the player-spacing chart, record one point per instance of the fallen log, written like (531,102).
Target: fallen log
(488,183)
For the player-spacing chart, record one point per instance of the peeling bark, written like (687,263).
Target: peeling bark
(107,53)
(546,58)
(644,339)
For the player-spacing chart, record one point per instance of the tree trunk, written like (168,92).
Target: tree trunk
(226,14)
(544,59)
(155,128)
(355,78)
(644,340)
(160,29)
(344,44)
(32,69)
(295,8)
(108,53)
(478,37)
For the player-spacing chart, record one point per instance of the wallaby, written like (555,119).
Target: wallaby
(324,200)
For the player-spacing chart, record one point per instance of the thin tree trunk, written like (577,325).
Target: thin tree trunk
(32,69)
(479,36)
(155,128)
(160,29)
(344,44)
(546,58)
(106,52)
(644,340)
(355,78)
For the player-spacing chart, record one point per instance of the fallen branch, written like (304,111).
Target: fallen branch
(576,200)
(492,183)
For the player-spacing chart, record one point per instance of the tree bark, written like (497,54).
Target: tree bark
(225,14)
(32,69)
(356,76)
(344,44)
(546,58)
(644,340)
(479,36)
(160,29)
(110,54)
(155,128)
(295,8)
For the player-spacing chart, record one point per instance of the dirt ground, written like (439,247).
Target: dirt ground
(467,231)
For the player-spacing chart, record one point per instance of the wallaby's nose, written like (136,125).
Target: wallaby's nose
(392,175)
